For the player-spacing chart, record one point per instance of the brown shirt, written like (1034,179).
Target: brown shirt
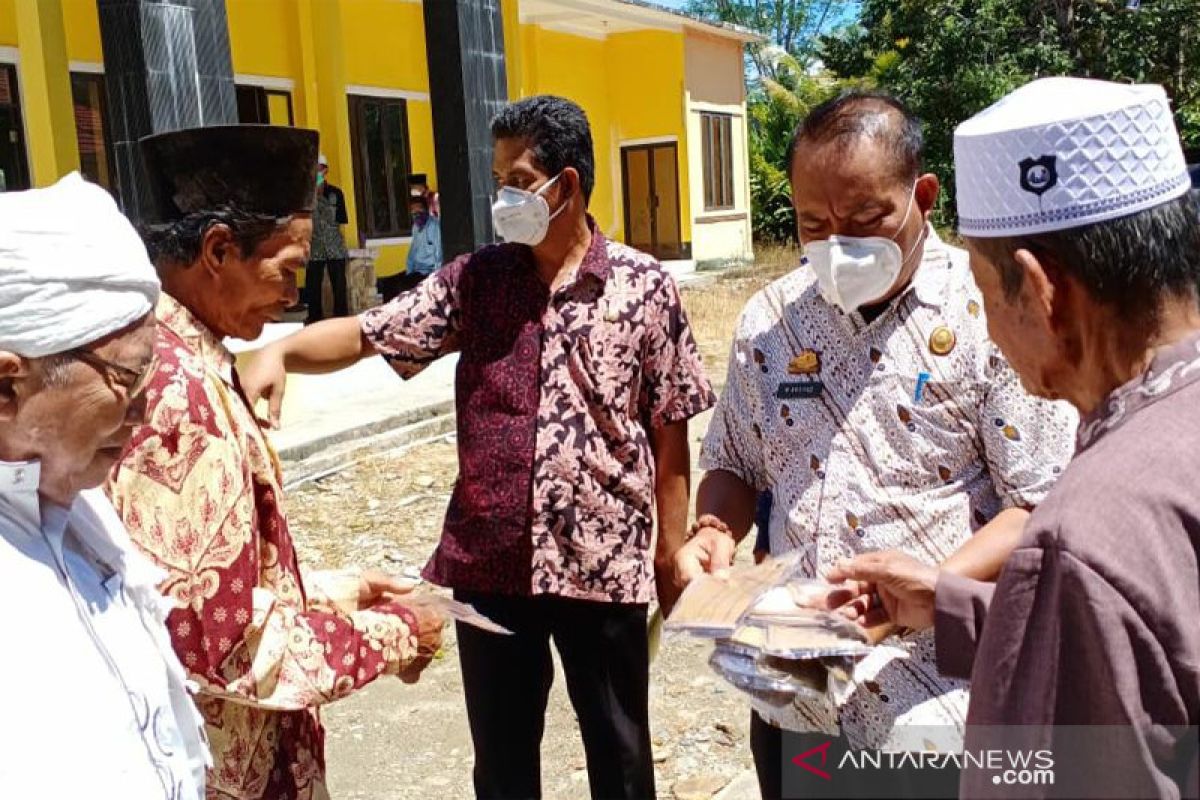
(1095,620)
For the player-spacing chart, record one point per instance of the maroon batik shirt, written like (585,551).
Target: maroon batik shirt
(556,397)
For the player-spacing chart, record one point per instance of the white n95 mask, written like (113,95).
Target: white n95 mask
(853,271)
(523,217)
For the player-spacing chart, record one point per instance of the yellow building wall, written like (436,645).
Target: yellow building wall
(645,72)
(262,38)
(600,75)
(634,86)
(82,20)
(8,23)
(384,47)
(384,44)
(574,67)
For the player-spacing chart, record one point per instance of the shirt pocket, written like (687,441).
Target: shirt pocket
(605,362)
(936,437)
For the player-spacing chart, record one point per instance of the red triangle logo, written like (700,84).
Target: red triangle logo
(802,760)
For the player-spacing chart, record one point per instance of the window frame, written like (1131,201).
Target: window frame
(262,105)
(400,223)
(716,134)
(26,174)
(105,128)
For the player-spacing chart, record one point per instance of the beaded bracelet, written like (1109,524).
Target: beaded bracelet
(710,521)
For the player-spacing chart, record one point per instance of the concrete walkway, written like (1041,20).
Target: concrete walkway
(366,399)
(321,412)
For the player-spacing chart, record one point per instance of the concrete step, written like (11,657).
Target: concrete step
(315,460)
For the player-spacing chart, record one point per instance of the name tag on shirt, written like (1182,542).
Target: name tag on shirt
(799,390)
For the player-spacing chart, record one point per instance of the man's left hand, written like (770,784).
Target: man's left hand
(375,585)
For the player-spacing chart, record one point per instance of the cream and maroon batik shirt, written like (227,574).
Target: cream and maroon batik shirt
(908,432)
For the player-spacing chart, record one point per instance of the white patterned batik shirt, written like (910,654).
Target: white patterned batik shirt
(824,409)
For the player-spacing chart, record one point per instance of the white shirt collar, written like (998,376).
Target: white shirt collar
(19,481)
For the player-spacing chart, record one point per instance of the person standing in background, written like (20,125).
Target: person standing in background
(418,183)
(425,252)
(328,248)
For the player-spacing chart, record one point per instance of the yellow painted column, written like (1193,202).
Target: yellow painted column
(307,111)
(513,63)
(529,60)
(324,104)
(46,94)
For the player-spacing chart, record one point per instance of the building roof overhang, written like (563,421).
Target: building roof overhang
(597,19)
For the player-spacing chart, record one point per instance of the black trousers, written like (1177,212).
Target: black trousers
(766,745)
(506,681)
(314,277)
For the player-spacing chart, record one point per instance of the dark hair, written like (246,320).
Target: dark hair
(178,242)
(860,114)
(557,131)
(1130,264)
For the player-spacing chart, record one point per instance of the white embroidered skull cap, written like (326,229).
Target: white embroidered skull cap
(1061,153)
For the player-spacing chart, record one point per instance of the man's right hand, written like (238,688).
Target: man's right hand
(888,585)
(266,377)
(711,550)
(429,625)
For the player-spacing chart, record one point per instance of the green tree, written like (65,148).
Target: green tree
(776,106)
(789,25)
(785,81)
(949,59)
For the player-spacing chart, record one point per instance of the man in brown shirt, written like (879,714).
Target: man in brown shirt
(1073,198)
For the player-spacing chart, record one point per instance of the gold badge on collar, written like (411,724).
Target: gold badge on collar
(807,363)
(942,341)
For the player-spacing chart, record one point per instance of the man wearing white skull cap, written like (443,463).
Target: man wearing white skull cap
(96,702)
(1074,199)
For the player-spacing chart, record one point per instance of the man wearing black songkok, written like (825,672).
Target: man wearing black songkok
(199,485)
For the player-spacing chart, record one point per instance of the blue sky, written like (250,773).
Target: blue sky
(680,4)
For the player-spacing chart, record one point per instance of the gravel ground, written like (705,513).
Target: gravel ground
(395,741)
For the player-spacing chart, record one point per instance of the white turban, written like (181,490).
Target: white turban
(72,269)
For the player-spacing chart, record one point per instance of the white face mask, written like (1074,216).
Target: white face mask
(523,217)
(853,271)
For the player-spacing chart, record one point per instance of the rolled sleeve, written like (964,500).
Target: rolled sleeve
(960,609)
(418,326)
(674,385)
(1027,441)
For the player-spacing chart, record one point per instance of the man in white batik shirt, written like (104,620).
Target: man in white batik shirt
(864,393)
(95,702)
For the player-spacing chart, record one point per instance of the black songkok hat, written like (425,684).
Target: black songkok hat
(261,169)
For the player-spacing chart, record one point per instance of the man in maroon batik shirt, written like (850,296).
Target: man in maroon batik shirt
(577,375)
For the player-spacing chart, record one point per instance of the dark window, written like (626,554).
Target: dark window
(716,132)
(14,167)
(260,106)
(379,140)
(91,129)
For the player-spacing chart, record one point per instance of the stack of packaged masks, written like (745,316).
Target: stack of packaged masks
(769,641)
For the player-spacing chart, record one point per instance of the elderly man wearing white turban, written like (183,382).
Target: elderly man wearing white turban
(95,700)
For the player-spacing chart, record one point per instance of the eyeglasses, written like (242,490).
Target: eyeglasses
(130,379)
